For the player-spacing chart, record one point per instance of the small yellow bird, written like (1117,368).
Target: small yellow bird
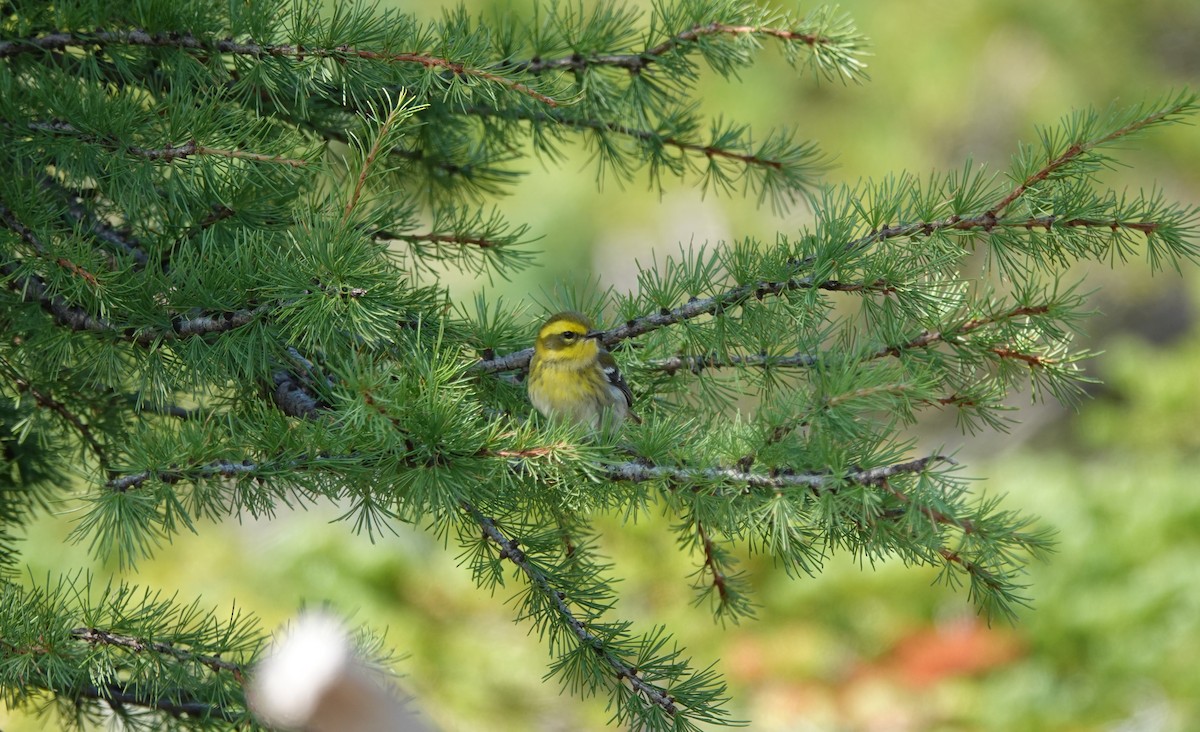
(573,378)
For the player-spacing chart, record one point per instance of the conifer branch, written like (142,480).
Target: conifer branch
(637,62)
(965,525)
(465,240)
(975,570)
(693,34)
(932,337)
(167,410)
(101,637)
(709,150)
(9,219)
(639,472)
(1183,104)
(411,155)
(294,398)
(189,42)
(44,399)
(706,306)
(1050,222)
(712,565)
(167,153)
(404,437)
(369,159)
(697,364)
(219,212)
(694,308)
(118,695)
(988,221)
(33,289)
(171,153)
(81,215)
(216,469)
(992,217)
(540,581)
(205,324)
(1033,359)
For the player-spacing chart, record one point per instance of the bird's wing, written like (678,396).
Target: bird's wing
(613,374)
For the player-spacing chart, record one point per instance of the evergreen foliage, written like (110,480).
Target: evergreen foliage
(222,225)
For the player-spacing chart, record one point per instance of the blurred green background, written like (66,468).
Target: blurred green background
(1114,633)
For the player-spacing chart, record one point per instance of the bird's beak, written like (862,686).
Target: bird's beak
(593,334)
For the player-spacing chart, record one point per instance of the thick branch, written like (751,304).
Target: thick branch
(139,403)
(219,468)
(97,636)
(295,399)
(638,472)
(33,289)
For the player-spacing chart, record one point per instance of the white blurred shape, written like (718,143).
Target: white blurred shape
(312,680)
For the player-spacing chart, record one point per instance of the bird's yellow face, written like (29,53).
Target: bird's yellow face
(564,337)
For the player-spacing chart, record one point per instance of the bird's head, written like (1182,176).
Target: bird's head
(566,336)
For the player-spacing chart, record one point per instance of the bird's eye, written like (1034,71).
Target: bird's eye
(569,335)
